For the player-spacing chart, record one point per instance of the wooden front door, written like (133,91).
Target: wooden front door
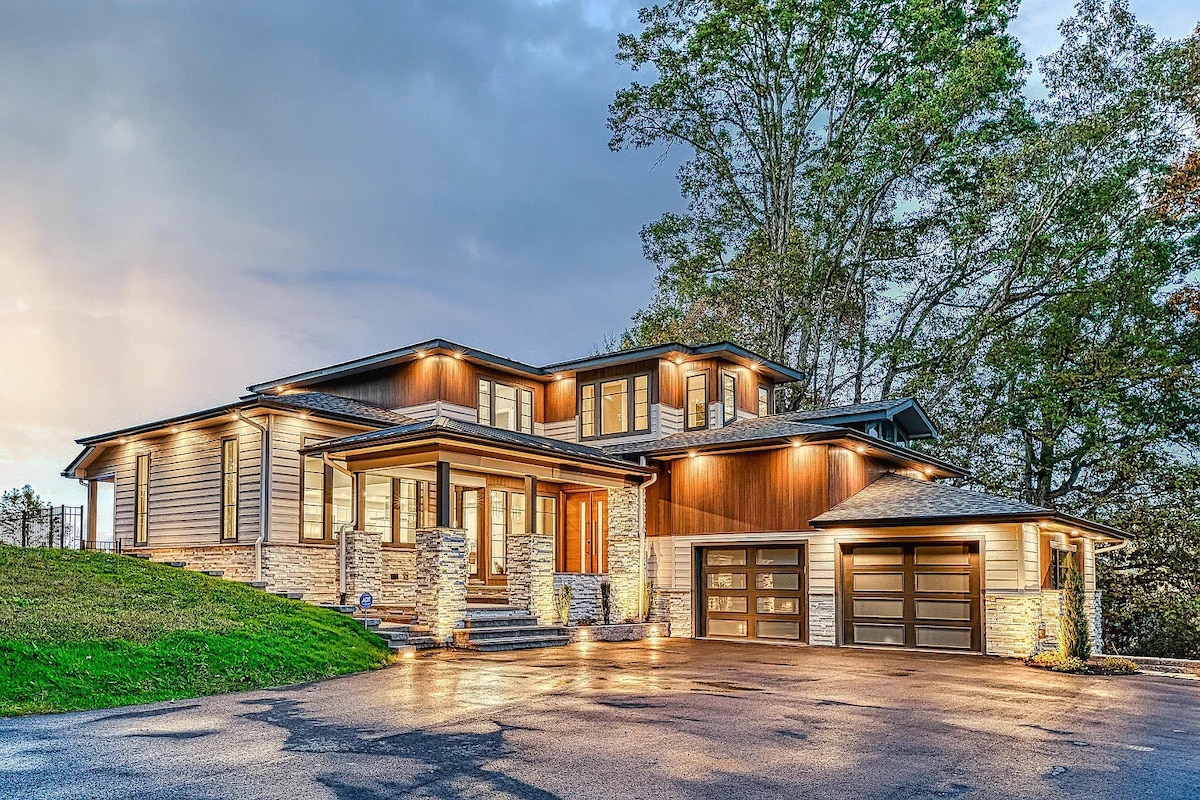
(585,533)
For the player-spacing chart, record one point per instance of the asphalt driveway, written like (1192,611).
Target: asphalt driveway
(664,719)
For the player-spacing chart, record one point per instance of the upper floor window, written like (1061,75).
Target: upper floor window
(229,488)
(764,400)
(728,397)
(502,405)
(695,412)
(614,407)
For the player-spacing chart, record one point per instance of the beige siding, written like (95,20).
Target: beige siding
(185,484)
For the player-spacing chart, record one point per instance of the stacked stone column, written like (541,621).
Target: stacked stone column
(441,591)
(625,552)
(531,573)
(364,564)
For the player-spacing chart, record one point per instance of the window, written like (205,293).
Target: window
(728,397)
(141,499)
(342,501)
(624,407)
(696,402)
(377,505)
(1057,574)
(406,511)
(497,520)
(764,400)
(229,489)
(505,406)
(547,515)
(313,514)
(516,512)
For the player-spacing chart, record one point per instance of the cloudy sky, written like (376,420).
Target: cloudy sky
(198,196)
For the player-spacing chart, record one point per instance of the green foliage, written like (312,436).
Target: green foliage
(606,602)
(1115,665)
(90,630)
(562,603)
(647,599)
(1074,628)
(1058,662)
(20,507)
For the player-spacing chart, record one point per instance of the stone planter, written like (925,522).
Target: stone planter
(629,632)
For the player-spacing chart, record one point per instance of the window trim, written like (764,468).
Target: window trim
(524,400)
(728,414)
(141,502)
(631,414)
(703,375)
(237,477)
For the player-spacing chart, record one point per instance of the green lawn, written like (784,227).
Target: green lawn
(90,630)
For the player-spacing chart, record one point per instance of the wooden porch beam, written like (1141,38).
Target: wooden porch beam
(444,493)
(531,504)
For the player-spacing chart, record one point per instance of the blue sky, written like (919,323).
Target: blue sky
(196,197)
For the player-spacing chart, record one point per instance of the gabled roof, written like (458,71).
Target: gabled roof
(482,433)
(905,411)
(896,500)
(389,358)
(774,430)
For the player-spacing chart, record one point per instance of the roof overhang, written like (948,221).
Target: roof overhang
(682,353)
(1064,523)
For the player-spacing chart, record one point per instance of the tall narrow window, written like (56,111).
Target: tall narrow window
(485,402)
(406,511)
(498,520)
(526,405)
(313,515)
(342,503)
(141,500)
(377,505)
(728,397)
(696,402)
(641,403)
(614,407)
(516,512)
(547,516)
(587,410)
(229,489)
(764,401)
(505,406)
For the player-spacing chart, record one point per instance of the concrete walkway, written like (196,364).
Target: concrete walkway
(666,719)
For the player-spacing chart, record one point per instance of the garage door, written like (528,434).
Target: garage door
(753,592)
(919,595)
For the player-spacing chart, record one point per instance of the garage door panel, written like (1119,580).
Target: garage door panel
(753,592)
(921,594)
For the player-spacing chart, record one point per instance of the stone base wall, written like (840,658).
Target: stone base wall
(822,619)
(236,560)
(400,590)
(625,553)
(618,633)
(1018,625)
(364,565)
(531,574)
(674,607)
(585,595)
(312,569)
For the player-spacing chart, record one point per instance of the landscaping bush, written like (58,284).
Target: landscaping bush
(1115,665)
(606,602)
(562,603)
(1058,662)
(1074,634)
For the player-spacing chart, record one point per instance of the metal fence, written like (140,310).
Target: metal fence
(46,526)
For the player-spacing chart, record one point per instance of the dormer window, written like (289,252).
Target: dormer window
(696,400)
(614,407)
(502,405)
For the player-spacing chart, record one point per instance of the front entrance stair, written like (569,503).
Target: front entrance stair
(401,638)
(491,630)
(487,594)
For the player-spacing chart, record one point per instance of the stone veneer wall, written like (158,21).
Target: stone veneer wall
(625,553)
(236,560)
(310,568)
(673,606)
(364,564)
(441,596)
(585,594)
(401,590)
(1018,625)
(531,573)
(822,619)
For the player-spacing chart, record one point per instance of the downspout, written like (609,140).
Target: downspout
(352,525)
(264,492)
(643,612)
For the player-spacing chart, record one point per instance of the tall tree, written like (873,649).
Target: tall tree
(817,131)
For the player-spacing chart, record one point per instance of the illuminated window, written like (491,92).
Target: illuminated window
(313,516)
(497,519)
(377,505)
(614,407)
(505,406)
(764,401)
(141,500)
(342,501)
(229,489)
(728,397)
(624,406)
(587,410)
(406,511)
(696,402)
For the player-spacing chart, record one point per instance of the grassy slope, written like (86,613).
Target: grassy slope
(89,630)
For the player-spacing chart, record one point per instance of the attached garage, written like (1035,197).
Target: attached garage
(913,595)
(753,592)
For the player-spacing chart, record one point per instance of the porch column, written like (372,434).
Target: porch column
(364,564)
(531,562)
(444,493)
(624,555)
(441,600)
(93,502)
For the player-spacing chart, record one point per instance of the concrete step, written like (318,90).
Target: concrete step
(256,584)
(142,556)
(179,564)
(289,595)
(514,643)
(213,573)
(507,621)
(339,609)
(398,633)
(369,622)
(487,634)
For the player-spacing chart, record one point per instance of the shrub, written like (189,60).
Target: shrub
(1074,634)
(1058,662)
(562,603)
(606,602)
(647,599)
(1116,665)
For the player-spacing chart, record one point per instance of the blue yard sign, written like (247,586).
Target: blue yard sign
(365,600)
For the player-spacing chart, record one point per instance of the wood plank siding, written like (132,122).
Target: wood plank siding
(672,377)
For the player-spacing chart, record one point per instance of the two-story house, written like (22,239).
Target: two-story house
(439,476)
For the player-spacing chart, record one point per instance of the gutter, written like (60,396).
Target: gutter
(264,470)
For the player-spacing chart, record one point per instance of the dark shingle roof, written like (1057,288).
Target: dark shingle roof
(777,426)
(473,430)
(893,497)
(843,411)
(339,406)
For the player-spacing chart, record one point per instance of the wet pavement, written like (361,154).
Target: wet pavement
(664,719)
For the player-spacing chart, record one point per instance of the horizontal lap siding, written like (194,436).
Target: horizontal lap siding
(185,484)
